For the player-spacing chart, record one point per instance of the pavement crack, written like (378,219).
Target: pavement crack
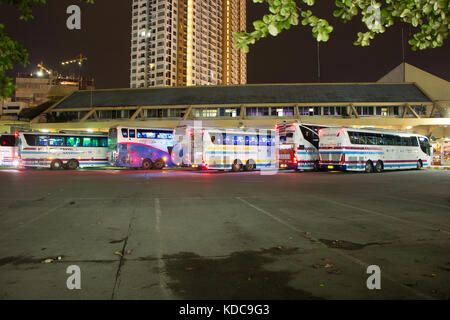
(122,259)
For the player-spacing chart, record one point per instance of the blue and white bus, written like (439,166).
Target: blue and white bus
(62,150)
(225,149)
(144,148)
(372,150)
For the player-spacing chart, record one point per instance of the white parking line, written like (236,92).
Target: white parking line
(339,252)
(161,265)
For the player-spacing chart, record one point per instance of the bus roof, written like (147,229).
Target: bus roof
(381,131)
(143,128)
(84,134)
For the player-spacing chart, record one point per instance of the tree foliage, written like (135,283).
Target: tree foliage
(428,17)
(12,52)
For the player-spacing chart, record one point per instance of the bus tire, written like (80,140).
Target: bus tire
(236,166)
(159,164)
(147,164)
(56,164)
(419,165)
(72,164)
(249,166)
(379,166)
(369,167)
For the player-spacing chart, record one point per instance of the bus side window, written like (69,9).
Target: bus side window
(414,141)
(253,140)
(87,142)
(379,138)
(31,140)
(125,133)
(227,139)
(352,136)
(56,141)
(43,141)
(218,138)
(132,133)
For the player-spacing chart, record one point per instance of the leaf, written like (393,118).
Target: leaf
(273,30)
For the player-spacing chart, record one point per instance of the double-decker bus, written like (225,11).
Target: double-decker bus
(225,149)
(9,150)
(372,150)
(62,150)
(144,148)
(298,145)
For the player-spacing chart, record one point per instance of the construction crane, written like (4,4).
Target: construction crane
(42,69)
(78,60)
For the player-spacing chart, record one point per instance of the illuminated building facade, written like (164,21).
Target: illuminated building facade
(186,43)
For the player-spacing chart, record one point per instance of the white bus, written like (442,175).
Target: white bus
(60,150)
(225,149)
(144,148)
(9,150)
(372,150)
(298,145)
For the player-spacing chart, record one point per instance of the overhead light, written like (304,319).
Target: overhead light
(408,127)
(90,130)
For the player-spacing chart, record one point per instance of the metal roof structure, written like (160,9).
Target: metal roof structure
(247,94)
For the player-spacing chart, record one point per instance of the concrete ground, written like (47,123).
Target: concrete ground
(204,235)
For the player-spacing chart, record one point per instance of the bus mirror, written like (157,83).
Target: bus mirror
(301,147)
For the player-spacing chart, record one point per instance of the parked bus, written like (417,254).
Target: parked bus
(144,148)
(298,145)
(225,149)
(9,150)
(372,150)
(62,150)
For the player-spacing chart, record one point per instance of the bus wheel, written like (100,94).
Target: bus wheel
(72,164)
(159,164)
(249,166)
(236,166)
(56,164)
(369,167)
(379,166)
(147,164)
(419,165)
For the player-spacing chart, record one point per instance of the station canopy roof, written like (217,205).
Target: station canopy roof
(247,94)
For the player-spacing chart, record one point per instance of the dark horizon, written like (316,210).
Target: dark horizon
(291,57)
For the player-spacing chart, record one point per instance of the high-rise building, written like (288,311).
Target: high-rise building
(186,42)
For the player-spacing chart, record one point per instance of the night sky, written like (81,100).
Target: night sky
(288,58)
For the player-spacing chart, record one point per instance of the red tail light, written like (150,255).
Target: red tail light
(343,158)
(294,160)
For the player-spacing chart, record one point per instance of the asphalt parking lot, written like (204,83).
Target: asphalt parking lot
(203,235)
